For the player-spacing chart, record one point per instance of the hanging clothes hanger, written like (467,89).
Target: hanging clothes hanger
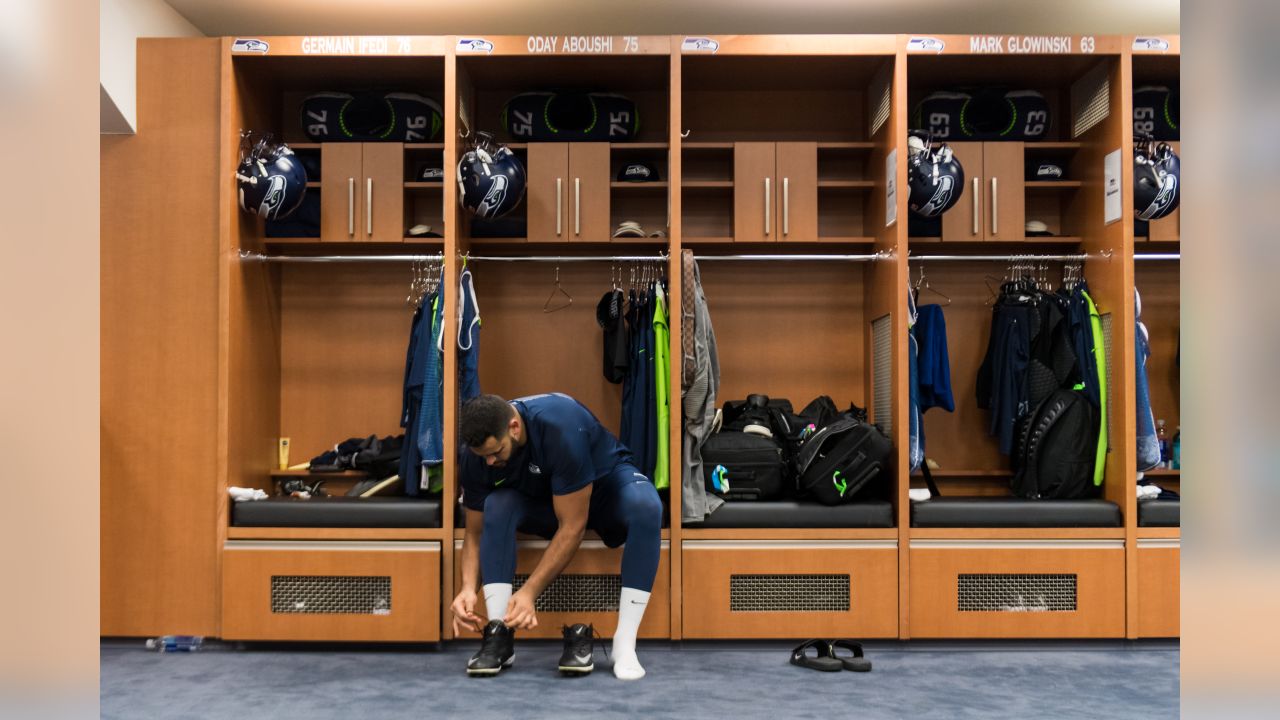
(558,294)
(924,284)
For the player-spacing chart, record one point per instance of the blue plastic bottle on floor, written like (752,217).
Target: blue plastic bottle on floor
(175,643)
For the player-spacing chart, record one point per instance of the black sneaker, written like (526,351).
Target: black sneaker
(576,658)
(497,650)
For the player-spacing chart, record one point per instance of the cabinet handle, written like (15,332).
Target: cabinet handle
(368,207)
(786,206)
(559,203)
(351,206)
(768,200)
(977,211)
(577,206)
(995,209)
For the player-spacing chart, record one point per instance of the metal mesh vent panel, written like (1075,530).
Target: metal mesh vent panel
(1090,100)
(329,594)
(1106,348)
(882,373)
(788,593)
(881,88)
(577,593)
(1015,593)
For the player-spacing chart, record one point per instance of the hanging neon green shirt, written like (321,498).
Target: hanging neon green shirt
(662,376)
(1099,357)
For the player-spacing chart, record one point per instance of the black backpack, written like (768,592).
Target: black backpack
(1056,449)
(841,460)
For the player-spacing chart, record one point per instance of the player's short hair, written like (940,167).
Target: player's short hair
(483,417)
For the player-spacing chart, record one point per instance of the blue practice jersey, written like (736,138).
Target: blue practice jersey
(567,449)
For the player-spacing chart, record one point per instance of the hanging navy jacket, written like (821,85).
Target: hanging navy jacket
(934,362)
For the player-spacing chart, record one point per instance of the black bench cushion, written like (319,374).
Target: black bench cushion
(1159,513)
(348,512)
(955,512)
(793,514)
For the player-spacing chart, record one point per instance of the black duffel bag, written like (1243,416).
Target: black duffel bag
(841,460)
(744,466)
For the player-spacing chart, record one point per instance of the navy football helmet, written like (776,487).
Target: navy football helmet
(271,179)
(491,178)
(1156,179)
(934,176)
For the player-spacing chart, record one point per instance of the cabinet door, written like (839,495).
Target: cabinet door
(754,192)
(1006,200)
(797,164)
(342,168)
(1167,229)
(588,191)
(546,194)
(963,222)
(383,193)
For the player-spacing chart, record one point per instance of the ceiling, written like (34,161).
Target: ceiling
(666,17)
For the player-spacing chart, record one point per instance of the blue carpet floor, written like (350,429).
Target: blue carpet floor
(694,680)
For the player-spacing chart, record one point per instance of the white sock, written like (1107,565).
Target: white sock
(496,597)
(631,606)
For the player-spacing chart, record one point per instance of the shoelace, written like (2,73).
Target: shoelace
(590,645)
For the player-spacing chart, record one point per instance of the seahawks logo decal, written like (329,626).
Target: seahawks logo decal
(493,199)
(250,45)
(274,198)
(941,197)
(1160,206)
(700,44)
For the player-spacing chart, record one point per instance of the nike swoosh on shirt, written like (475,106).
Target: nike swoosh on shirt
(499,482)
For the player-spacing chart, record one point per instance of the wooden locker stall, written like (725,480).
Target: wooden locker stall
(787,140)
(315,352)
(975,571)
(540,332)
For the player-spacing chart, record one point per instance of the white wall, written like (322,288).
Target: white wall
(122,23)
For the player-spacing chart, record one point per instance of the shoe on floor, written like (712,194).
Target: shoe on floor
(497,650)
(577,656)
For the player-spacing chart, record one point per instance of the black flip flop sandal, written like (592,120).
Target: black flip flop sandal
(821,661)
(855,662)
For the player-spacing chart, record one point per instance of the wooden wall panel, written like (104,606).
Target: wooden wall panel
(1158,592)
(160,349)
(791,330)
(345,330)
(525,351)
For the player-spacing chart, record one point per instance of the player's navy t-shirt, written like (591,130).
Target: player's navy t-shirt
(567,449)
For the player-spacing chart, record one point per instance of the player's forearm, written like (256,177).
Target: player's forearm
(564,544)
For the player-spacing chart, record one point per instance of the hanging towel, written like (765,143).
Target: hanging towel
(468,338)
(934,369)
(699,403)
(1148,442)
(662,381)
